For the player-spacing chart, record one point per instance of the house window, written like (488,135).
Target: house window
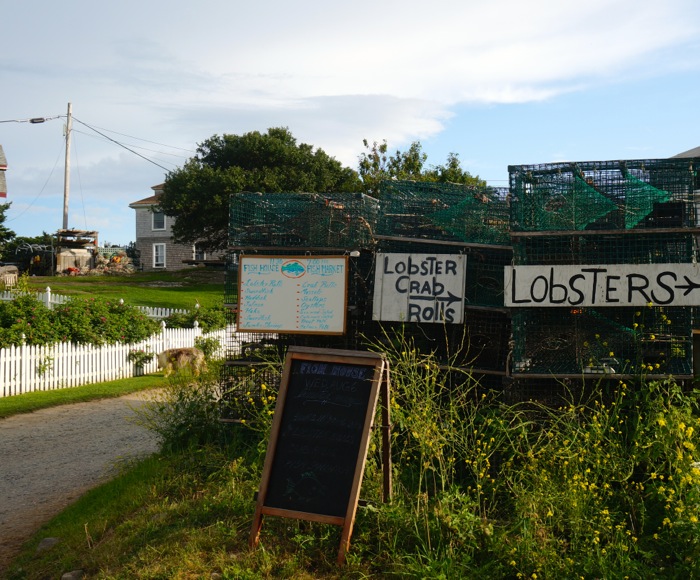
(159,255)
(199,254)
(158,220)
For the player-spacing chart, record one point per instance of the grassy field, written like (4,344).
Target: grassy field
(177,289)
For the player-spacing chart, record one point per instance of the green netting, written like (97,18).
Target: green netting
(597,195)
(571,206)
(591,342)
(302,220)
(444,211)
(640,199)
(641,248)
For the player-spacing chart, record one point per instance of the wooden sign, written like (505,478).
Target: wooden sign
(318,444)
(419,288)
(602,285)
(294,294)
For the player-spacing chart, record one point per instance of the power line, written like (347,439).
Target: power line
(102,139)
(122,145)
(147,141)
(33,120)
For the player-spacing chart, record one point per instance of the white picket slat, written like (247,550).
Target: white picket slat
(27,368)
(49,299)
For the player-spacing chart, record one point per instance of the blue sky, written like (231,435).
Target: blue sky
(500,83)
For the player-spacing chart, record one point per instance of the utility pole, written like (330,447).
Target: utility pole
(66,173)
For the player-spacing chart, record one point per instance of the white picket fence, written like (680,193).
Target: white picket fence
(24,369)
(49,299)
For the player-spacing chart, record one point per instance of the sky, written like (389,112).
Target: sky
(497,82)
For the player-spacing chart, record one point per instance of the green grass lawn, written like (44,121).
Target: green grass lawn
(29,402)
(176,289)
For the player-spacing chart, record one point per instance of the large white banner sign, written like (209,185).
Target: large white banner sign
(419,288)
(602,285)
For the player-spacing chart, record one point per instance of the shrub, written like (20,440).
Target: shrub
(209,319)
(140,356)
(209,346)
(98,321)
(81,321)
(27,316)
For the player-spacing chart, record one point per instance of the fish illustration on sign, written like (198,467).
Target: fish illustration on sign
(293,269)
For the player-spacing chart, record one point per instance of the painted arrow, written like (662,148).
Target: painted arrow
(450,298)
(689,286)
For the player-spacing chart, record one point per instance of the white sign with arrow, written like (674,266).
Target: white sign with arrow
(419,288)
(602,285)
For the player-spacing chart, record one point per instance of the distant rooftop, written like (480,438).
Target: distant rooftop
(690,153)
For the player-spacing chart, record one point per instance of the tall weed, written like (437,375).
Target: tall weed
(185,413)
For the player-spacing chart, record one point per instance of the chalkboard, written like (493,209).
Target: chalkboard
(318,444)
(293,294)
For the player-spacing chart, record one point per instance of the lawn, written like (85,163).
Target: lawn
(175,289)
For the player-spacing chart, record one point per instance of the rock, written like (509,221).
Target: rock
(46,544)
(74,575)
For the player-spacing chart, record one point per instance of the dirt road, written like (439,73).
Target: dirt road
(50,457)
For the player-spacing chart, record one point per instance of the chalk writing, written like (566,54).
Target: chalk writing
(320,433)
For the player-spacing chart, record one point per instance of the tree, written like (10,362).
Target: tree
(376,166)
(6,234)
(198,193)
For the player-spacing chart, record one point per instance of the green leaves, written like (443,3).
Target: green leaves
(81,321)
(198,194)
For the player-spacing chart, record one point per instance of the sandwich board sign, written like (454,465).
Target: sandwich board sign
(320,435)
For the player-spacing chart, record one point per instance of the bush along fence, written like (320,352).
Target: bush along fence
(24,369)
(49,299)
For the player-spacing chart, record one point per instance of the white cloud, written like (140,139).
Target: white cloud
(334,73)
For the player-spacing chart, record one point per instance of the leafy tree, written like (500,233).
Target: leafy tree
(376,165)
(6,234)
(198,193)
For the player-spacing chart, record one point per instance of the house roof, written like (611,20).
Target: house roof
(690,153)
(152,200)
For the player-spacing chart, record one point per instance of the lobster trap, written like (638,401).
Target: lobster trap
(603,195)
(604,213)
(444,211)
(283,220)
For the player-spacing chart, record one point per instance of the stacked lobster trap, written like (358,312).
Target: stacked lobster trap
(287,225)
(573,233)
(441,219)
(408,218)
(602,222)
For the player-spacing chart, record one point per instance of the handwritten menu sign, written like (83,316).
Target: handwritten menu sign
(292,294)
(320,434)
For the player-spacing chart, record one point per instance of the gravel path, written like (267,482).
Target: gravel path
(50,457)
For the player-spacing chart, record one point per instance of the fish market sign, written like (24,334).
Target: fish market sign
(419,288)
(301,294)
(602,285)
